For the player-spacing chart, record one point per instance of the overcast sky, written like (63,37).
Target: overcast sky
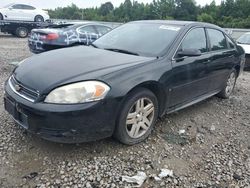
(80,3)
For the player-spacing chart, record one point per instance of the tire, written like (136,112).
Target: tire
(229,85)
(22,32)
(1,16)
(134,129)
(39,18)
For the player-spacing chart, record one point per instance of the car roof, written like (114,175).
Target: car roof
(81,23)
(179,23)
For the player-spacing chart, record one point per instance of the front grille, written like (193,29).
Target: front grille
(23,91)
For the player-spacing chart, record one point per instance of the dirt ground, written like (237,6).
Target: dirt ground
(214,151)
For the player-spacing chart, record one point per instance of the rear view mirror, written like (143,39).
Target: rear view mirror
(189,53)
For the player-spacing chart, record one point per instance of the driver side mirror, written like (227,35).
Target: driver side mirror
(10,8)
(189,53)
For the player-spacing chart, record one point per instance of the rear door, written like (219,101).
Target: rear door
(189,78)
(223,55)
(28,12)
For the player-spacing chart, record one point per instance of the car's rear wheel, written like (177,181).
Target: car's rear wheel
(1,16)
(137,117)
(22,32)
(228,89)
(39,18)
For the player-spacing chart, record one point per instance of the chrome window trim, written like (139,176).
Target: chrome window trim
(184,37)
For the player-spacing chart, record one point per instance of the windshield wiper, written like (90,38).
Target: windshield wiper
(122,51)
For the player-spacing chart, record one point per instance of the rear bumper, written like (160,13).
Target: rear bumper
(46,17)
(63,123)
(39,47)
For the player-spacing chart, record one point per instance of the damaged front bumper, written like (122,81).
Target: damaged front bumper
(63,123)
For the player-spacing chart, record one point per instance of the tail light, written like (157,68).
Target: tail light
(52,36)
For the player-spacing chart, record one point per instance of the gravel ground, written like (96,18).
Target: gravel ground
(214,151)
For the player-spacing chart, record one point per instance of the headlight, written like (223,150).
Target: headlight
(80,92)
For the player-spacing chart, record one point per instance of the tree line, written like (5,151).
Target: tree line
(230,13)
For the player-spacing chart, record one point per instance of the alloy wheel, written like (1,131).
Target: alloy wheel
(22,33)
(140,118)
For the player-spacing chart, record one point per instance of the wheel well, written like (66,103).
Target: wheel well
(37,16)
(158,91)
(237,68)
(1,15)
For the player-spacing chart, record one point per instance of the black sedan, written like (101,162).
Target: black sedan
(124,82)
(65,35)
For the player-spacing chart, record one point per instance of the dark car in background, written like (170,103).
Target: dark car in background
(65,35)
(122,83)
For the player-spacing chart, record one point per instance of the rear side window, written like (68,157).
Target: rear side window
(87,30)
(102,29)
(195,39)
(217,40)
(27,7)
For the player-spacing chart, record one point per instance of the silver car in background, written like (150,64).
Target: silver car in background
(244,42)
(23,12)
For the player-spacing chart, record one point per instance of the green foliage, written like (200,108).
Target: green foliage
(230,13)
(204,17)
(106,9)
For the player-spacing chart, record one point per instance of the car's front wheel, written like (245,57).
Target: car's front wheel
(39,18)
(137,117)
(229,86)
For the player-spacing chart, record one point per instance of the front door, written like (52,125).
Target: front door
(189,77)
(16,13)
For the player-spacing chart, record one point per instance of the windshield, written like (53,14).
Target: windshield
(145,39)
(9,5)
(244,39)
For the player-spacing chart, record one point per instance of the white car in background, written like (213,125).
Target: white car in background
(23,13)
(244,42)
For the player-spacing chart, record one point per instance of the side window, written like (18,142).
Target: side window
(195,39)
(87,30)
(230,43)
(217,40)
(102,29)
(27,7)
(17,6)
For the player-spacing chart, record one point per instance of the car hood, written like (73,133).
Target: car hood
(48,70)
(246,48)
